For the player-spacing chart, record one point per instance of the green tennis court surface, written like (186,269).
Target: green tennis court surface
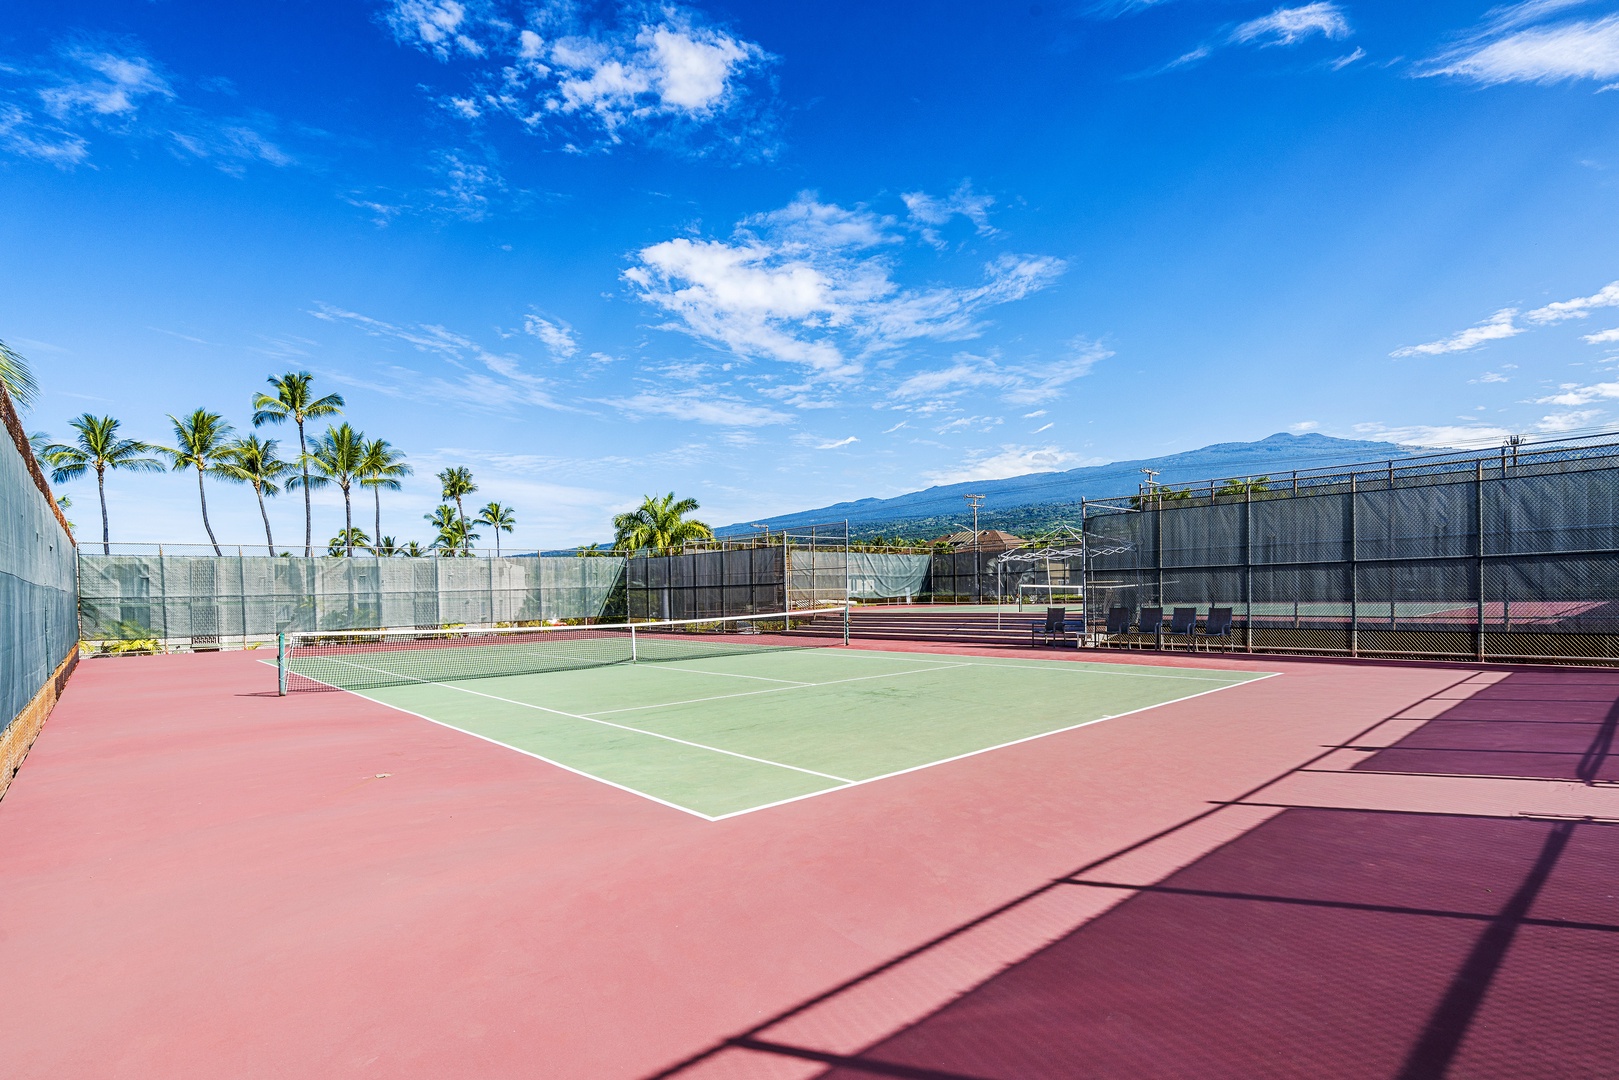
(724,735)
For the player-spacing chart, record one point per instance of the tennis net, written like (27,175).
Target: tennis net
(370,659)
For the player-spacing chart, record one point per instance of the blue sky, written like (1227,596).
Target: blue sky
(778,255)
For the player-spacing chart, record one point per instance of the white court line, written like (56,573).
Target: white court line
(987,749)
(844,784)
(772,690)
(1050,665)
(508,746)
(730,674)
(608,723)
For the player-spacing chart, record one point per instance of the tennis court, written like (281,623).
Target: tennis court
(724,724)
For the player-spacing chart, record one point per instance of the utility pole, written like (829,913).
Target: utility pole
(1152,479)
(975,501)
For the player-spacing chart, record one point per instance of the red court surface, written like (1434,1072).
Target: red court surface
(204,880)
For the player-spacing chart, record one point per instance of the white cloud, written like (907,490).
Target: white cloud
(1032,415)
(588,79)
(1492,377)
(21,135)
(1602,337)
(928,213)
(1563,423)
(1043,427)
(1578,308)
(1497,326)
(701,406)
(113,88)
(500,384)
(557,337)
(1441,435)
(1574,394)
(1009,461)
(1507,50)
(84,92)
(850,441)
(1303,426)
(468,186)
(1024,384)
(1283,27)
(1289,26)
(809,285)
(441,27)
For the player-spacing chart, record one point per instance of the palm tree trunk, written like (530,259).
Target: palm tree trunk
(376,537)
(269,541)
(497,541)
(101,486)
(348,522)
(309,513)
(203,495)
(466,538)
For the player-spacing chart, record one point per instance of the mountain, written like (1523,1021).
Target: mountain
(1037,498)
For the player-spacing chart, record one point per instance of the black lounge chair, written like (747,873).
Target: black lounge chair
(1217,625)
(1118,627)
(1183,623)
(1151,625)
(1056,626)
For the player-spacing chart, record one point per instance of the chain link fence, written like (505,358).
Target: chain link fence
(39,627)
(203,602)
(1504,556)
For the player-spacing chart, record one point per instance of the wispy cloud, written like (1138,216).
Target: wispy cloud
(591,74)
(1286,26)
(556,336)
(1522,43)
(700,406)
(840,443)
(1010,461)
(1571,394)
(1602,337)
(53,110)
(479,376)
(1578,308)
(1495,328)
(1020,384)
(1289,26)
(810,285)
(928,214)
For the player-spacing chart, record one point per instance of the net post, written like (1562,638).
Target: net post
(633,651)
(846,622)
(281,663)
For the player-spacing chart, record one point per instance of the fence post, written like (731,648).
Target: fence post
(1354,574)
(1478,498)
(1248,568)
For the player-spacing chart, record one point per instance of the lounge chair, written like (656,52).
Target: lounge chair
(1217,625)
(1150,626)
(1056,625)
(1118,627)
(1183,623)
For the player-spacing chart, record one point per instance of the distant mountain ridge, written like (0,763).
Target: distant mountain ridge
(1277,455)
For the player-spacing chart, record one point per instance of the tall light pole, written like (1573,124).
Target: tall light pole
(975,501)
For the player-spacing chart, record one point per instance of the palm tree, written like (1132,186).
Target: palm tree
(454,538)
(500,518)
(458,482)
(252,461)
(346,541)
(294,401)
(658,524)
(337,457)
(381,466)
(98,447)
(16,378)
(200,441)
(413,550)
(386,547)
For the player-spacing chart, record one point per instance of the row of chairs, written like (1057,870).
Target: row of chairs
(1183,627)
(1148,630)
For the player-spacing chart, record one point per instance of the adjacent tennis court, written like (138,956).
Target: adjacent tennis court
(726,724)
